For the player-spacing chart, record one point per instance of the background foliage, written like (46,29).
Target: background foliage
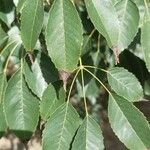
(69,67)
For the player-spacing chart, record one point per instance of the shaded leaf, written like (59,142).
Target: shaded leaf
(31,23)
(135,65)
(51,101)
(39,73)
(128,123)
(20,106)
(64,35)
(7,14)
(60,128)
(89,136)
(125,84)
(3,37)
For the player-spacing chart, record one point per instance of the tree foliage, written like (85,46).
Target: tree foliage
(55,54)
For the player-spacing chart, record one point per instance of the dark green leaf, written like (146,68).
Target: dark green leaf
(7,11)
(3,37)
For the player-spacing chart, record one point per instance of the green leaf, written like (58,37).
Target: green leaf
(99,12)
(50,101)
(64,35)
(128,123)
(20,5)
(3,37)
(141,6)
(118,29)
(89,136)
(60,128)
(145,35)
(20,106)
(39,73)
(3,125)
(31,23)
(7,14)
(128,17)
(6,53)
(125,84)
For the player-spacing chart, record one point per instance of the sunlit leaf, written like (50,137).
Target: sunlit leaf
(3,125)
(89,136)
(60,128)
(31,23)
(64,35)
(128,123)
(125,84)
(117,22)
(145,35)
(21,106)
